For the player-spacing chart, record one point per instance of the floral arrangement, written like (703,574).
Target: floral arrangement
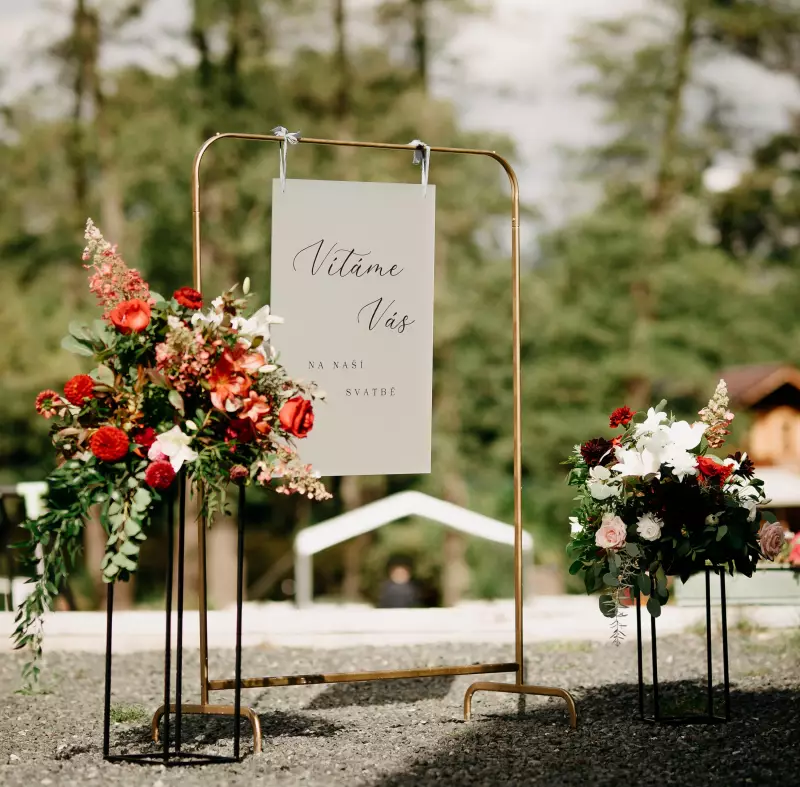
(175,388)
(655,502)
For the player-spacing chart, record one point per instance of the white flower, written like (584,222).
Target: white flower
(574,525)
(686,436)
(649,527)
(212,318)
(217,303)
(637,463)
(682,462)
(651,423)
(173,444)
(257,326)
(600,484)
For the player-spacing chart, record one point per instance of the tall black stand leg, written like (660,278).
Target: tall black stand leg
(639,651)
(168,643)
(179,644)
(654,651)
(709,660)
(237,700)
(107,696)
(725,673)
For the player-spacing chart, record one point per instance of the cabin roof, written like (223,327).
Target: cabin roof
(748,385)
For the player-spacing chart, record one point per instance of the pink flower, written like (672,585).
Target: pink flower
(155,454)
(612,533)
(771,539)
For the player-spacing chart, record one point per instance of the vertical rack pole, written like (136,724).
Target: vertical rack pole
(168,607)
(107,696)
(709,661)
(237,700)
(725,672)
(179,643)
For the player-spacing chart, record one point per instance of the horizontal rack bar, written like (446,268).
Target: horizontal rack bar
(354,677)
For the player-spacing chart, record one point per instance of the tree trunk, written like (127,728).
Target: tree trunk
(455,573)
(639,385)
(419,40)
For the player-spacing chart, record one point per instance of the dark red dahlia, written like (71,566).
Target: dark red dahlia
(159,474)
(597,451)
(747,468)
(144,437)
(79,389)
(188,297)
(622,416)
(109,443)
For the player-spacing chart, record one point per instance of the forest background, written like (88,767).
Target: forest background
(667,250)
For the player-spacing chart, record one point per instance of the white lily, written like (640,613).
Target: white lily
(637,463)
(682,462)
(174,444)
(651,423)
(686,436)
(257,326)
(574,525)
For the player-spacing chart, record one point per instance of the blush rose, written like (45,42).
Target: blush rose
(612,533)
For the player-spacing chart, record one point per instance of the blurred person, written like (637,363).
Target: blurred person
(399,590)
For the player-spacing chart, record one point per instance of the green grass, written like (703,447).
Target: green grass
(128,714)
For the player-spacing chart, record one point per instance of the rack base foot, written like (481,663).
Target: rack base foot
(517,688)
(212,710)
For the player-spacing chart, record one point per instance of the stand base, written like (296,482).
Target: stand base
(175,759)
(519,688)
(678,720)
(210,710)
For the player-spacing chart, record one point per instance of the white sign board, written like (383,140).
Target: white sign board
(352,276)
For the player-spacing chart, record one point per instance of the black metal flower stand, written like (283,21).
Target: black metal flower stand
(170,753)
(710,716)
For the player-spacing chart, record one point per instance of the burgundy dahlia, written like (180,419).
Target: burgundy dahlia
(597,451)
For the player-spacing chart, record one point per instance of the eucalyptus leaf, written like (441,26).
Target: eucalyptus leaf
(71,344)
(607,606)
(654,606)
(722,531)
(104,375)
(611,580)
(632,549)
(129,548)
(142,498)
(176,400)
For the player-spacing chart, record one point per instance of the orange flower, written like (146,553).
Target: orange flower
(255,407)
(227,381)
(130,316)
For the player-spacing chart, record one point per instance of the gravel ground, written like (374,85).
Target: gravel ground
(404,733)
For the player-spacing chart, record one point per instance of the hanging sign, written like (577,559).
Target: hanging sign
(352,276)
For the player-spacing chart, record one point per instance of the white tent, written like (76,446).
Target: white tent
(370,517)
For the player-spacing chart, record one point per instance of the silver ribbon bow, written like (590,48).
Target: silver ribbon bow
(286,136)
(422,156)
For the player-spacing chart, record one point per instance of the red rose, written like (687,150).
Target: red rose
(708,470)
(109,443)
(144,437)
(297,416)
(188,297)
(159,474)
(79,389)
(621,416)
(130,316)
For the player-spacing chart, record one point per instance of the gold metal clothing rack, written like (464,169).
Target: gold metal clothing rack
(517,667)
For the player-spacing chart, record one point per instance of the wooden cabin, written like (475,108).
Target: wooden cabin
(770,395)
